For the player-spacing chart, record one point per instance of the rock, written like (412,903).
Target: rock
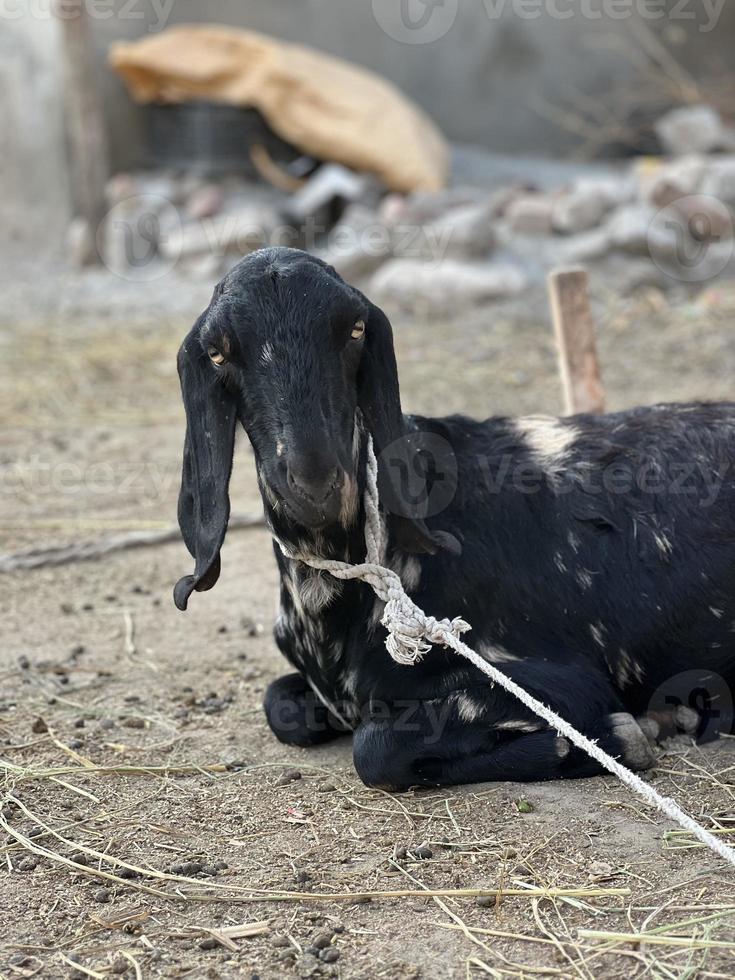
(422,208)
(485,901)
(331,182)
(329,955)
(531,214)
(102,895)
(134,234)
(586,247)
(358,244)
(672,180)
(135,721)
(289,776)
(691,129)
(600,868)
(322,940)
(719,181)
(205,201)
(39,726)
(446,285)
(243,230)
(630,227)
(687,719)
(585,205)
(462,232)
(706,218)
(307,965)
(208,943)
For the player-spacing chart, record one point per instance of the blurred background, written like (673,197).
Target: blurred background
(442,156)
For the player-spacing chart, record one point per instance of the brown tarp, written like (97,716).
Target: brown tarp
(326,107)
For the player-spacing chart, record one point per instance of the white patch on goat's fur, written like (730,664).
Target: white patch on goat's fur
(349,683)
(317,590)
(495,654)
(574,541)
(408,569)
(279,448)
(584,578)
(267,492)
(717,613)
(627,670)
(357,430)
(663,544)
(559,562)
(469,709)
(266,353)
(294,593)
(518,725)
(349,502)
(598,633)
(548,439)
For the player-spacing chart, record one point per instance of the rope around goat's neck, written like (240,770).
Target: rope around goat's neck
(411,635)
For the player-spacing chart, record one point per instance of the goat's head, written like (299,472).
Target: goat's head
(301,359)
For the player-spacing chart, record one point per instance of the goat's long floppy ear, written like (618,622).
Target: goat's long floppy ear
(379,400)
(204,502)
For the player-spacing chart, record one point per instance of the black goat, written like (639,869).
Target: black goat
(594,557)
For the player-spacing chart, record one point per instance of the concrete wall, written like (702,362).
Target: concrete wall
(489,71)
(486,80)
(34,189)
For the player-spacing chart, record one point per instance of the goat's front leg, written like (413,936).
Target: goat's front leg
(296,715)
(483,735)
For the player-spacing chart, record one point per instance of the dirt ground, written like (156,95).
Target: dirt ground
(146,804)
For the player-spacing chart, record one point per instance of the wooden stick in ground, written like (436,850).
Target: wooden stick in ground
(85,125)
(575,339)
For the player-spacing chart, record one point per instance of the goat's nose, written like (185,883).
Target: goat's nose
(317,487)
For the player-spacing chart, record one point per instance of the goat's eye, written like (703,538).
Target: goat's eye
(358,331)
(215,356)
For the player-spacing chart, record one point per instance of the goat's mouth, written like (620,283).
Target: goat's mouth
(298,508)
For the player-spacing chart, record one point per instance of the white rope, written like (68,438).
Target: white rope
(411,634)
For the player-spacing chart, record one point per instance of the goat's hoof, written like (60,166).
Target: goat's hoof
(635,750)
(687,719)
(650,728)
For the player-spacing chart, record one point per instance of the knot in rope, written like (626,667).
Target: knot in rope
(411,633)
